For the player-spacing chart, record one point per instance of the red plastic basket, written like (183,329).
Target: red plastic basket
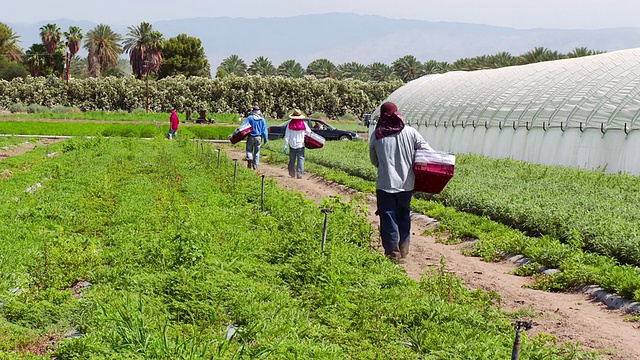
(241,133)
(433,170)
(313,141)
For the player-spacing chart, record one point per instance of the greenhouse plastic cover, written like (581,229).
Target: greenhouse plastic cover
(580,112)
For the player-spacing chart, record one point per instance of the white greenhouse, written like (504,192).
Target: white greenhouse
(580,112)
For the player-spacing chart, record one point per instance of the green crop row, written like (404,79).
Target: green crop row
(583,222)
(150,249)
(277,96)
(9,141)
(219,132)
(138,115)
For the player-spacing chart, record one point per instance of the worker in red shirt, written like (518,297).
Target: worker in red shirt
(175,121)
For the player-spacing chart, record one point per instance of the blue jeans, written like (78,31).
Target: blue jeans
(395,221)
(296,154)
(253,149)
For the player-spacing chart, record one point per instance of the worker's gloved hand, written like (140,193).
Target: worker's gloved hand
(286,149)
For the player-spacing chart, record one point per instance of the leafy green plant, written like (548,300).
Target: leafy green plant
(36,108)
(182,253)
(231,94)
(17,108)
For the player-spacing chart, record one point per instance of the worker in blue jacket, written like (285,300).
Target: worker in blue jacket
(256,138)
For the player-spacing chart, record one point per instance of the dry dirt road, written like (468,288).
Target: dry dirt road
(571,317)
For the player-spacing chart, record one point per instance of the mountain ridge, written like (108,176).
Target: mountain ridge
(346,37)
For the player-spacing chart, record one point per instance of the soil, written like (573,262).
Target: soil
(571,317)
(21,148)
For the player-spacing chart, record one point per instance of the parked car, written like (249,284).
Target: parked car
(319,127)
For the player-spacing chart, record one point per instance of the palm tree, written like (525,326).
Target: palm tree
(353,70)
(322,68)
(9,43)
(262,66)
(50,35)
(104,48)
(482,62)
(539,54)
(79,67)
(34,57)
(464,64)
(232,65)
(435,67)
(381,72)
(290,68)
(502,59)
(144,46)
(154,53)
(582,51)
(408,68)
(74,37)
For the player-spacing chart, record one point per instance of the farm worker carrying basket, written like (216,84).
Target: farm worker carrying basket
(254,127)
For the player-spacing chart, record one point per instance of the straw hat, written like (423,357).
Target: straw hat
(296,114)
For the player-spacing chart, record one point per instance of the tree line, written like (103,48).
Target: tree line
(150,55)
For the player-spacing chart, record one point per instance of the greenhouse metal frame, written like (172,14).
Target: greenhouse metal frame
(581,112)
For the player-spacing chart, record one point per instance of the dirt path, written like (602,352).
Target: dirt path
(21,148)
(570,317)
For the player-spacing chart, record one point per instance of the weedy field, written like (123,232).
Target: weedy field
(585,223)
(125,248)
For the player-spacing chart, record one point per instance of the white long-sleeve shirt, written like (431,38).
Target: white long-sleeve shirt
(295,138)
(393,155)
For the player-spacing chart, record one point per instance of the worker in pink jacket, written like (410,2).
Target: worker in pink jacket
(174,121)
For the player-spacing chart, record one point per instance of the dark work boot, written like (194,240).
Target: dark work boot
(250,164)
(404,249)
(394,257)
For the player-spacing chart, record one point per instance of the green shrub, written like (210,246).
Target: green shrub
(348,116)
(17,108)
(60,109)
(319,115)
(36,109)
(275,95)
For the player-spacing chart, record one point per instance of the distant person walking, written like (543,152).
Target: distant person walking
(294,140)
(392,148)
(256,137)
(174,122)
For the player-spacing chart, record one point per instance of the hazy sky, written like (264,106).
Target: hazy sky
(558,14)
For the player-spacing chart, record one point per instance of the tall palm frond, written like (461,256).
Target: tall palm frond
(144,46)
(290,68)
(154,51)
(103,45)
(435,67)
(262,66)
(9,43)
(322,68)
(34,57)
(539,54)
(51,35)
(353,70)
(408,68)
(582,51)
(74,37)
(233,65)
(381,72)
(501,59)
